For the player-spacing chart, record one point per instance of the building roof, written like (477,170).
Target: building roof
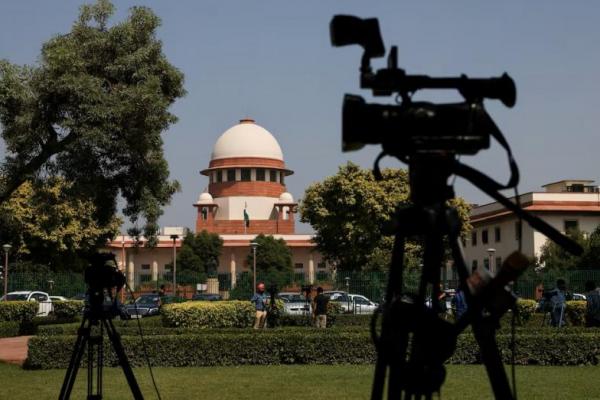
(247,139)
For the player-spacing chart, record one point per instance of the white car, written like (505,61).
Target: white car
(295,304)
(361,305)
(45,304)
(58,298)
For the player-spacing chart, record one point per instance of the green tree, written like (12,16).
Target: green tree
(555,258)
(348,210)
(48,225)
(273,260)
(199,253)
(92,111)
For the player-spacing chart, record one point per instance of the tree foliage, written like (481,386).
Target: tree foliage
(273,260)
(553,257)
(199,253)
(46,224)
(92,111)
(348,210)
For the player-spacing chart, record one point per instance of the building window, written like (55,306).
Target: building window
(298,266)
(245,174)
(321,265)
(474,238)
(204,213)
(498,263)
(145,267)
(571,226)
(473,266)
(212,177)
(220,176)
(497,234)
(486,263)
(518,228)
(260,174)
(168,268)
(272,175)
(484,236)
(281,177)
(230,175)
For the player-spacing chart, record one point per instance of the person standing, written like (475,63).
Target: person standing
(320,308)
(260,305)
(592,309)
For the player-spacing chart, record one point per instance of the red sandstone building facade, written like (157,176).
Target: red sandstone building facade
(246,196)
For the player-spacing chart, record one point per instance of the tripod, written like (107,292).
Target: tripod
(96,315)
(414,342)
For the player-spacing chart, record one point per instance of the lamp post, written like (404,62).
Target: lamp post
(348,291)
(6,248)
(123,265)
(491,258)
(254,245)
(174,237)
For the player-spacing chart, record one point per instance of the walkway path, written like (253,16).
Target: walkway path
(14,350)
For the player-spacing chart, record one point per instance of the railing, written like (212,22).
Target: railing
(369,284)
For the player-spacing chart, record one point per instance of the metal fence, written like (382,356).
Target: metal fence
(369,284)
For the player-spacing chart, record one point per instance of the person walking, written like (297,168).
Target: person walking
(260,305)
(320,308)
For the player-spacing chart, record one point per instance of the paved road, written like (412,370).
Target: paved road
(14,350)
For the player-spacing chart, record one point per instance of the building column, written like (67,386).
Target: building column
(232,269)
(131,272)
(311,269)
(154,270)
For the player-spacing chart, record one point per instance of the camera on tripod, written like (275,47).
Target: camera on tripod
(413,127)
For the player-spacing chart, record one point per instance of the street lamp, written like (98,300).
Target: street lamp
(348,291)
(174,237)
(254,245)
(6,248)
(491,258)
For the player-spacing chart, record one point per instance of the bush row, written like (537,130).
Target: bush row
(68,309)
(208,314)
(10,329)
(309,346)
(18,311)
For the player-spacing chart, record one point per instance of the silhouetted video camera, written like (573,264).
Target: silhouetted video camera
(413,127)
(102,273)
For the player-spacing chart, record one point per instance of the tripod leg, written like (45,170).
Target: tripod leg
(484,332)
(78,349)
(394,288)
(115,339)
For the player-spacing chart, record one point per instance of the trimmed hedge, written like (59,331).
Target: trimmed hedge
(68,309)
(575,312)
(209,314)
(310,346)
(22,311)
(10,329)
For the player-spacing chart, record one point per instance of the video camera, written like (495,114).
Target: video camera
(102,273)
(413,127)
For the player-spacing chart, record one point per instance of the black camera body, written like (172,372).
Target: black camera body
(411,128)
(102,273)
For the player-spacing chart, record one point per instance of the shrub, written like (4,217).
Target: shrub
(10,329)
(22,311)
(525,310)
(310,346)
(575,312)
(67,309)
(209,314)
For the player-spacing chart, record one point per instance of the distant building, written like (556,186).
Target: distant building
(246,196)
(566,205)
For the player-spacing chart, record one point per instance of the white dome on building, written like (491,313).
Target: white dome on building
(205,198)
(286,197)
(247,139)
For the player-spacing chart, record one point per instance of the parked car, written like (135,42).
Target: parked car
(58,298)
(45,303)
(341,297)
(144,306)
(579,296)
(361,305)
(295,303)
(206,297)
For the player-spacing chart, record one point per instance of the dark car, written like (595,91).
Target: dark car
(206,297)
(144,306)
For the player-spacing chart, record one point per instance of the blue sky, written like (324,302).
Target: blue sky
(272,60)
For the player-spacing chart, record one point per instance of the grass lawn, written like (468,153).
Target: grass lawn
(300,382)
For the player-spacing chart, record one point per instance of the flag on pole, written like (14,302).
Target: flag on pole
(246,217)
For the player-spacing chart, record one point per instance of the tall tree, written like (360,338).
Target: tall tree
(555,258)
(200,253)
(92,111)
(47,225)
(273,260)
(348,210)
